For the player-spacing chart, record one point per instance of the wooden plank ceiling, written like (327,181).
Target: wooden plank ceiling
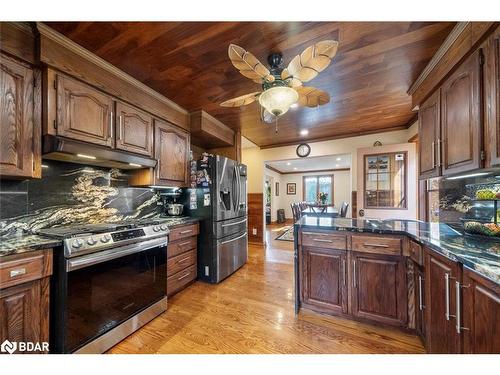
(187,62)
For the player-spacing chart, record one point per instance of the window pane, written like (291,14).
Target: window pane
(311,186)
(325,186)
(371,164)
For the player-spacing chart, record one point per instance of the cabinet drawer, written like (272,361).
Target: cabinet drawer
(179,280)
(328,240)
(416,253)
(183,232)
(180,262)
(179,247)
(18,271)
(376,244)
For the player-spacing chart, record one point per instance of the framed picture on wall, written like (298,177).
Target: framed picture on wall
(291,188)
(277,189)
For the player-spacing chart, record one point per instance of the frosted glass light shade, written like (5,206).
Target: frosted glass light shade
(277,100)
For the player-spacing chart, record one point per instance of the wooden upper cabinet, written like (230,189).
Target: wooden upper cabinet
(172,152)
(429,134)
(325,279)
(379,288)
(134,130)
(20,119)
(492,98)
(440,297)
(83,113)
(461,109)
(481,314)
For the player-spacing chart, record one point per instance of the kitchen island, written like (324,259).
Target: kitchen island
(422,277)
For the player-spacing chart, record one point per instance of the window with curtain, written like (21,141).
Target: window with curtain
(312,185)
(385,180)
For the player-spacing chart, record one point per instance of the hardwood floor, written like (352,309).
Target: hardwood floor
(252,312)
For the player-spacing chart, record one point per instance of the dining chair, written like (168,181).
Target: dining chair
(294,212)
(343,209)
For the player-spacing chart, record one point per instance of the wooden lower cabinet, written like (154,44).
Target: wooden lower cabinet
(181,257)
(441,274)
(379,288)
(24,297)
(480,326)
(325,276)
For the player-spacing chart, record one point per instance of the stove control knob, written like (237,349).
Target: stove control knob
(105,238)
(77,243)
(156,228)
(91,241)
(163,227)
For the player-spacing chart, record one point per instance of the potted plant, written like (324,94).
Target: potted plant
(322,197)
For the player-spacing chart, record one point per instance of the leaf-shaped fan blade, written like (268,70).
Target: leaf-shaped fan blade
(241,100)
(248,65)
(312,97)
(312,61)
(293,82)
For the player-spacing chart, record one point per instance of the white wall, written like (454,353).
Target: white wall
(411,176)
(341,189)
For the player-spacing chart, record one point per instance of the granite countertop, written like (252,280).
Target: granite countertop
(480,255)
(20,242)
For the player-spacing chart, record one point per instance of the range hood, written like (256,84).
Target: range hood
(69,150)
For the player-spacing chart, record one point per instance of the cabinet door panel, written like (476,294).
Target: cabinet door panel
(83,113)
(134,130)
(481,311)
(492,97)
(379,288)
(325,278)
(18,127)
(461,118)
(440,330)
(429,133)
(172,153)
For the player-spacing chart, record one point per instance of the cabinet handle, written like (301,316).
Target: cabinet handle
(433,153)
(119,133)
(183,277)
(319,240)
(447,295)
(18,272)
(354,273)
(420,299)
(375,244)
(344,271)
(439,152)
(458,307)
(316,234)
(186,231)
(184,259)
(111,124)
(184,243)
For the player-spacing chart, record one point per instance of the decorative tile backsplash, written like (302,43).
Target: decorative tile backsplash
(71,194)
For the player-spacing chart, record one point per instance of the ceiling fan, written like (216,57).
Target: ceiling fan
(281,88)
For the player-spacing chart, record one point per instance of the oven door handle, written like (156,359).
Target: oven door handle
(103,256)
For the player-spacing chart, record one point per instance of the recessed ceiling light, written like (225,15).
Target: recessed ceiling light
(338,159)
(336,165)
(294,105)
(288,163)
(294,168)
(304,132)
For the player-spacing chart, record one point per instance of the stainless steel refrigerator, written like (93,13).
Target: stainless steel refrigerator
(220,202)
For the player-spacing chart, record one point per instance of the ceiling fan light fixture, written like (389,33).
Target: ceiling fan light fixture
(277,100)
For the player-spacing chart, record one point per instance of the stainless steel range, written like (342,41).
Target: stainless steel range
(109,280)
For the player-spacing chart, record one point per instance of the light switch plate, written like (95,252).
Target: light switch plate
(254,231)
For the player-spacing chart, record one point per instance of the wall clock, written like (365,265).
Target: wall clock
(303,150)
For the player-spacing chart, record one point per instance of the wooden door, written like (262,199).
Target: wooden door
(429,134)
(20,117)
(325,279)
(492,98)
(172,153)
(24,312)
(134,131)
(83,113)
(440,276)
(481,314)
(461,126)
(420,301)
(379,288)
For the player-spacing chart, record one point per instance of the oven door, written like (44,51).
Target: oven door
(105,289)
